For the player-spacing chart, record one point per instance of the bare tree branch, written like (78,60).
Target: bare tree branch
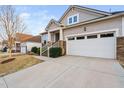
(10,25)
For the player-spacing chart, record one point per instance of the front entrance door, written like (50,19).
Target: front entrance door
(56,37)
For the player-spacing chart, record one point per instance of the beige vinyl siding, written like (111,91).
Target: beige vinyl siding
(97,26)
(83,15)
(52,26)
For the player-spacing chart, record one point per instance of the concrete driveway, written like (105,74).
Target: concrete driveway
(68,72)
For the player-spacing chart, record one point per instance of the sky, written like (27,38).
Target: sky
(37,17)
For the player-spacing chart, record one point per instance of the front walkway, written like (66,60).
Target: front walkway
(68,71)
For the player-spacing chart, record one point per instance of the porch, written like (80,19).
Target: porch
(53,38)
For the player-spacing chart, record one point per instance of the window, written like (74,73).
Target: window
(71,38)
(91,36)
(80,37)
(70,20)
(73,19)
(85,28)
(107,35)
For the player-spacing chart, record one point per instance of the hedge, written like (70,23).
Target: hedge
(55,52)
(38,51)
(34,49)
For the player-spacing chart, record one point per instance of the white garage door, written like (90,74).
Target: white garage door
(95,45)
(23,49)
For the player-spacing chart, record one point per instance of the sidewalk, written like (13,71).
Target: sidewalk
(2,83)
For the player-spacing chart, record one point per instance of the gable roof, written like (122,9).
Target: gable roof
(33,39)
(52,21)
(21,36)
(84,8)
(95,20)
(107,15)
(117,12)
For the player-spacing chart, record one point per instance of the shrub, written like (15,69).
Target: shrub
(55,52)
(34,49)
(38,51)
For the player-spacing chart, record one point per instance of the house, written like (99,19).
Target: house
(27,44)
(24,42)
(83,31)
(20,37)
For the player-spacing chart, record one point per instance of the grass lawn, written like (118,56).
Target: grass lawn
(0,52)
(21,62)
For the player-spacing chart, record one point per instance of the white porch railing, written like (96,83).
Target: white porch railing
(47,47)
(56,44)
(44,49)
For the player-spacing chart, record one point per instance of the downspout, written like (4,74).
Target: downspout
(41,45)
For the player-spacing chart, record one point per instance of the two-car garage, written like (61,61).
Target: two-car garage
(101,45)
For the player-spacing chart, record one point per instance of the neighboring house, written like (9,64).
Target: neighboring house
(23,42)
(3,45)
(83,31)
(20,37)
(27,44)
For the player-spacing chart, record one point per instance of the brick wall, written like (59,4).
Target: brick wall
(120,48)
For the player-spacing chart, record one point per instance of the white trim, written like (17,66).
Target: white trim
(49,36)
(93,10)
(84,8)
(102,31)
(98,36)
(50,22)
(122,26)
(41,45)
(61,34)
(52,30)
(54,37)
(72,16)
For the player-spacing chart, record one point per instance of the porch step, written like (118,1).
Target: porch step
(45,53)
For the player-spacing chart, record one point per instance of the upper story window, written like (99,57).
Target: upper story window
(70,20)
(73,19)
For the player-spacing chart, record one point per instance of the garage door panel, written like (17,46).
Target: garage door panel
(98,47)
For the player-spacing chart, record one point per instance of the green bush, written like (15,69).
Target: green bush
(38,51)
(34,49)
(55,52)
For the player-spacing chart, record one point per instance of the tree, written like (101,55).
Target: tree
(10,24)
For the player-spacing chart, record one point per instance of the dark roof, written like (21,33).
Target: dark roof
(116,12)
(83,7)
